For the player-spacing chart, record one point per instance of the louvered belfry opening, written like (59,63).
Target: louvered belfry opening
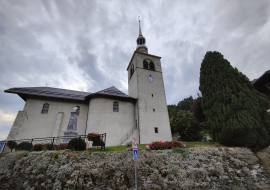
(115,107)
(131,70)
(45,108)
(145,64)
(151,66)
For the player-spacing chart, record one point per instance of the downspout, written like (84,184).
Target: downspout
(87,117)
(138,122)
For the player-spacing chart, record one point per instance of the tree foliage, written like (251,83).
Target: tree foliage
(235,111)
(187,126)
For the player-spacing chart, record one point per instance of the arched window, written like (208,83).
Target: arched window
(152,66)
(115,107)
(78,110)
(145,64)
(45,108)
(131,70)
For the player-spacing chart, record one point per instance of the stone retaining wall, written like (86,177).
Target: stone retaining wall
(202,168)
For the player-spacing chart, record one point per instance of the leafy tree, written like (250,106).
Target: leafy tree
(186,104)
(235,111)
(187,126)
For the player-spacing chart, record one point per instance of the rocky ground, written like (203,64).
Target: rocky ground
(202,168)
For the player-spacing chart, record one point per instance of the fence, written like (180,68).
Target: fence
(51,140)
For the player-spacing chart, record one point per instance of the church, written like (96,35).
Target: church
(142,114)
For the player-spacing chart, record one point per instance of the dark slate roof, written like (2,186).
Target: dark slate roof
(112,91)
(261,78)
(49,92)
(63,93)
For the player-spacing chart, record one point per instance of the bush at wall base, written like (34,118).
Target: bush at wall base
(98,143)
(11,144)
(37,147)
(76,144)
(24,146)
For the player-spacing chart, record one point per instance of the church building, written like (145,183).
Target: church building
(142,114)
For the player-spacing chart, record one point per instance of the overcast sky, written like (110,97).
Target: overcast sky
(87,45)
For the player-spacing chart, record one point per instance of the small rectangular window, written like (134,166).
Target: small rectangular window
(154,110)
(152,95)
(156,130)
(115,107)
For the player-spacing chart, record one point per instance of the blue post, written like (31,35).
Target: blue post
(135,176)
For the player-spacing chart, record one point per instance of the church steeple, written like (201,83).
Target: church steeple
(141,41)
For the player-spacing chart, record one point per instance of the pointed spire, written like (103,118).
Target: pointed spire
(140,31)
(141,41)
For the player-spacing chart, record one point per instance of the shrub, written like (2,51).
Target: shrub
(11,144)
(129,144)
(48,146)
(235,110)
(37,147)
(93,136)
(98,143)
(158,145)
(184,152)
(55,156)
(76,144)
(24,146)
(61,146)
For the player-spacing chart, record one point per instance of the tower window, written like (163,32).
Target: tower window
(152,66)
(115,107)
(156,130)
(152,95)
(154,110)
(45,108)
(131,70)
(145,64)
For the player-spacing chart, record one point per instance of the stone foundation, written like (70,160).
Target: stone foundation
(202,168)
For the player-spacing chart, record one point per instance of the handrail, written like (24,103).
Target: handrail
(128,134)
(53,140)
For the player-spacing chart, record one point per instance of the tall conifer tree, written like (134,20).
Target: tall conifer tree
(235,111)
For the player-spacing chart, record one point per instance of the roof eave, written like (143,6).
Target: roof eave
(261,78)
(143,54)
(22,95)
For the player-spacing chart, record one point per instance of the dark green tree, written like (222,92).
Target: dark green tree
(187,126)
(235,111)
(186,104)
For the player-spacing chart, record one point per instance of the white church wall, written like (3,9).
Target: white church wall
(102,119)
(37,125)
(152,109)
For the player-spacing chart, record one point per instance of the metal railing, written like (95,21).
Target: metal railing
(128,134)
(52,140)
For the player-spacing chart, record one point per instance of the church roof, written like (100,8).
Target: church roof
(112,91)
(49,92)
(64,93)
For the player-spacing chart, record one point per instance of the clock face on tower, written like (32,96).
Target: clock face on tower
(150,79)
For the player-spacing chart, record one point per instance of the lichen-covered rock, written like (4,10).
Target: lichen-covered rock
(202,168)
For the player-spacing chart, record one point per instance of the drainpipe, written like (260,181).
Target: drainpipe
(87,117)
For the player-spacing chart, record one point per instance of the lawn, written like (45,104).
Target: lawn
(202,144)
(142,146)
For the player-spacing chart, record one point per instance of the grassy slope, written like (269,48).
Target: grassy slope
(142,146)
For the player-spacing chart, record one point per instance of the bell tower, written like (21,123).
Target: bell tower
(145,82)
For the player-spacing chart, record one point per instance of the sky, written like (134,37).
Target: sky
(87,45)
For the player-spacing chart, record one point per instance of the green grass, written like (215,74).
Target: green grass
(202,144)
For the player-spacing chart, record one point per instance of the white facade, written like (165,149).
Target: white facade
(33,124)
